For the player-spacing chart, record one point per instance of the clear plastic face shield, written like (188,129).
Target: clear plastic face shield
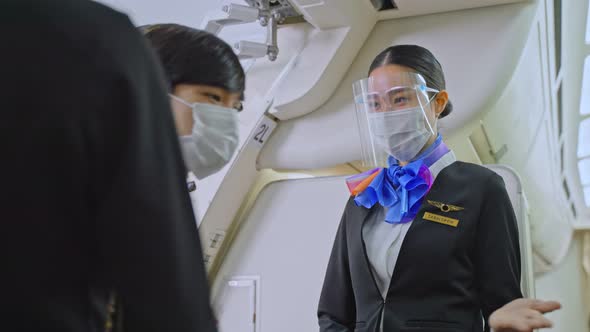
(394,116)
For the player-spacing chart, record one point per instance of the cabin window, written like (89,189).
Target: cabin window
(557,34)
(587,195)
(584,139)
(585,95)
(559,111)
(584,170)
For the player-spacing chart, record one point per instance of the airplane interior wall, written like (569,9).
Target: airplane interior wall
(566,283)
(262,78)
(283,248)
(524,119)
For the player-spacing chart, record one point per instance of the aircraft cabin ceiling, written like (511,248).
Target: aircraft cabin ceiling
(192,12)
(476,75)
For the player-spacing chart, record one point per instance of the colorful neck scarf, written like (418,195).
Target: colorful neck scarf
(400,189)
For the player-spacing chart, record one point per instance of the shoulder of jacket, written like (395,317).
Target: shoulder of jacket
(473,172)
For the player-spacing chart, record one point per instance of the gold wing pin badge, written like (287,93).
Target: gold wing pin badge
(445,207)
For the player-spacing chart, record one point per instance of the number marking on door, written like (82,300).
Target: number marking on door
(263,131)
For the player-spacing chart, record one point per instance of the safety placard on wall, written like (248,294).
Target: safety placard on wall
(212,242)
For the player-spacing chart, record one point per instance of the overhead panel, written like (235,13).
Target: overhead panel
(341,28)
(329,135)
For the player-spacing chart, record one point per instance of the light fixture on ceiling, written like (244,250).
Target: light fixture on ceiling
(236,14)
(269,13)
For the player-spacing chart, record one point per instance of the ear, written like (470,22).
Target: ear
(440,102)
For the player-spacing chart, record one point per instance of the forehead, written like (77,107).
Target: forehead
(390,76)
(189,90)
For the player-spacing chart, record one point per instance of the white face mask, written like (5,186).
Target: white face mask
(214,139)
(402,134)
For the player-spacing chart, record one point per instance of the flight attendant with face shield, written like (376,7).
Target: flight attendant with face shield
(207,83)
(426,242)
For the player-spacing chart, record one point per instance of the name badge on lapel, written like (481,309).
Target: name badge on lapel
(441,219)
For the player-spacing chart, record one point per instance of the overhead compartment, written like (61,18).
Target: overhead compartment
(478,49)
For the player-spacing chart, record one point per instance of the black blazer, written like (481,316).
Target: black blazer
(445,278)
(94,182)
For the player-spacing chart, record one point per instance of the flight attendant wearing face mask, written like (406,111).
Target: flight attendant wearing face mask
(207,84)
(426,242)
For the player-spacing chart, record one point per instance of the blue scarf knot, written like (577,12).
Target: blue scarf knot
(401,189)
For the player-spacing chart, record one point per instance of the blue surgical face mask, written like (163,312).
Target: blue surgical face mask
(214,138)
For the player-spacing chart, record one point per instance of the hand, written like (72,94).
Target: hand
(523,315)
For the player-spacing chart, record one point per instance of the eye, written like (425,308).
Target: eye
(213,98)
(400,100)
(373,103)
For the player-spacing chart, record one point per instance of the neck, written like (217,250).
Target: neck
(426,146)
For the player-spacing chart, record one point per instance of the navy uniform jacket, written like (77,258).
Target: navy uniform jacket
(93,183)
(445,278)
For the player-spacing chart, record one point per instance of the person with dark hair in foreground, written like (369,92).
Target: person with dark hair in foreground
(94,178)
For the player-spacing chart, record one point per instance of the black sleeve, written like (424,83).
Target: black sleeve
(146,239)
(336,311)
(497,250)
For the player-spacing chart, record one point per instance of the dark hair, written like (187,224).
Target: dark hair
(420,60)
(192,56)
